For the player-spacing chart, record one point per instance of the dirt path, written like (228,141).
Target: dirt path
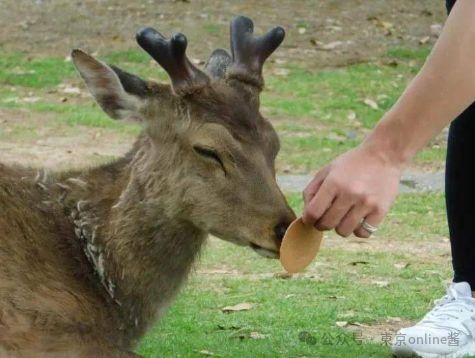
(319,33)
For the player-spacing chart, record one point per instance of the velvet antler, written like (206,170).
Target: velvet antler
(250,52)
(170,54)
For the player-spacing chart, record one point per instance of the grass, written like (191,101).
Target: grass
(89,115)
(17,70)
(212,28)
(285,311)
(314,111)
(330,102)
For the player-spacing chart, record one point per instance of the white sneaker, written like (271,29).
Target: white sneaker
(447,331)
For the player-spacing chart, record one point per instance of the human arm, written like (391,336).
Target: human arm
(363,183)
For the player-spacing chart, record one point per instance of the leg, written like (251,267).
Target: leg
(450,322)
(460,195)
(455,309)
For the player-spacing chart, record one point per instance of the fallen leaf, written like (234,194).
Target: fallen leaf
(355,263)
(382,284)
(283,275)
(280,61)
(351,116)
(357,324)
(281,72)
(333,28)
(30,99)
(237,308)
(401,266)
(204,352)
(329,46)
(341,323)
(336,137)
(71,90)
(384,24)
(424,40)
(197,61)
(257,335)
(359,241)
(370,103)
(387,26)
(246,333)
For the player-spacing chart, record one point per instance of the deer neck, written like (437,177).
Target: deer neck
(133,235)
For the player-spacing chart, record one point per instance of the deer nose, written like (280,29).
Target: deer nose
(280,230)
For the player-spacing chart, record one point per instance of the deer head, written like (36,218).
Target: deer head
(206,155)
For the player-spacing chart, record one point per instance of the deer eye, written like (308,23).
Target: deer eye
(209,153)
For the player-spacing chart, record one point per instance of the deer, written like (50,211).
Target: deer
(90,258)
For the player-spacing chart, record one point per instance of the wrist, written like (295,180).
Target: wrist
(389,144)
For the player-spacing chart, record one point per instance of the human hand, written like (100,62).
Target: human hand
(360,184)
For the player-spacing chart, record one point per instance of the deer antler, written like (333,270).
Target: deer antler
(250,52)
(170,54)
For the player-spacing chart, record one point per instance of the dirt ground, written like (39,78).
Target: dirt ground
(319,33)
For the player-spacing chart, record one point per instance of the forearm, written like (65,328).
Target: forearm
(444,87)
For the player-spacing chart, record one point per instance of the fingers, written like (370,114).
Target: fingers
(374,219)
(319,204)
(314,185)
(334,208)
(335,214)
(364,209)
(351,221)
(348,190)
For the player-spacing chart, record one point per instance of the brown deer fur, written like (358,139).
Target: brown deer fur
(89,259)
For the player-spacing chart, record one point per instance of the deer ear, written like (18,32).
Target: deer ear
(120,94)
(218,63)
